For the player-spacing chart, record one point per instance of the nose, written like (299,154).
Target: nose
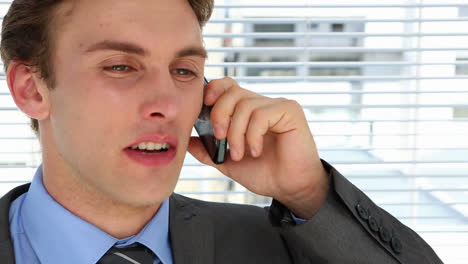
(162,99)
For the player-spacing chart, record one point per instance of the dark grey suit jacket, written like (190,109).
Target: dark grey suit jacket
(349,228)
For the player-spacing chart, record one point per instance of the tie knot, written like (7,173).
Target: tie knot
(138,254)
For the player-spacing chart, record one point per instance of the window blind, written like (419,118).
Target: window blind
(383,84)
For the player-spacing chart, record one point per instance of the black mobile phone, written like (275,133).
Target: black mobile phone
(216,148)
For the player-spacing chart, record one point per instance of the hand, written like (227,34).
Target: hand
(272,151)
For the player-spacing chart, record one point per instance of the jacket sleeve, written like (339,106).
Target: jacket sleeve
(349,228)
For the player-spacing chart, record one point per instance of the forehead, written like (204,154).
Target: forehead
(151,23)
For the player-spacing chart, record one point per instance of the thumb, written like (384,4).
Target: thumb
(199,152)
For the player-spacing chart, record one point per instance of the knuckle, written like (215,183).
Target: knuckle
(229,82)
(292,103)
(295,104)
(228,79)
(232,92)
(245,105)
(282,99)
(257,114)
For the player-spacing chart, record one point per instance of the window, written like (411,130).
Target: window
(462,67)
(313,26)
(273,42)
(384,93)
(337,27)
(463,11)
(460,113)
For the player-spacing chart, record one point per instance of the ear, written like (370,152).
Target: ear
(29,92)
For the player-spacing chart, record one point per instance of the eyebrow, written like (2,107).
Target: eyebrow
(118,46)
(192,51)
(135,49)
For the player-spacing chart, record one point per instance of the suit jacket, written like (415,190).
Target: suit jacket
(349,228)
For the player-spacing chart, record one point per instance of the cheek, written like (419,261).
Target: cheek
(193,102)
(84,110)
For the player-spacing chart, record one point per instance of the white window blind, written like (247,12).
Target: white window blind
(384,85)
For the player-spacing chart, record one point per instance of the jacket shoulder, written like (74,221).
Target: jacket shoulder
(223,211)
(5,203)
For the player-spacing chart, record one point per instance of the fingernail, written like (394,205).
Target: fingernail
(253,152)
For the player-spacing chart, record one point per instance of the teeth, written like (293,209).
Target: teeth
(150,146)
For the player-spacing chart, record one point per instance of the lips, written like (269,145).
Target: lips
(153,150)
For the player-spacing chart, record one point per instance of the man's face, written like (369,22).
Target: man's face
(127,72)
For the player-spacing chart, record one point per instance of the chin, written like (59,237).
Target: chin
(141,201)
(147,195)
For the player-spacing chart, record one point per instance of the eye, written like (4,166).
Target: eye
(183,72)
(119,68)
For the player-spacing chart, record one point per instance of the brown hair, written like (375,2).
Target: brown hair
(27,35)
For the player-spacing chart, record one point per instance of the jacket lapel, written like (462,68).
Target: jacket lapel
(6,248)
(191,233)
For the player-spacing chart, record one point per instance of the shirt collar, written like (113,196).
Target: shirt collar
(58,236)
(155,235)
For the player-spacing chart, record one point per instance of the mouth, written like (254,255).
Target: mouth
(153,151)
(150,147)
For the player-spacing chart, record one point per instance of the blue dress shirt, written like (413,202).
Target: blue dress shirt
(43,231)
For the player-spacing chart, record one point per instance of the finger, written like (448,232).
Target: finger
(216,88)
(224,109)
(275,117)
(198,151)
(239,123)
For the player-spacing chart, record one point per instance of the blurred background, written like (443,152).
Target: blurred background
(384,85)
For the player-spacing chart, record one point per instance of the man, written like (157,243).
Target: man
(114,88)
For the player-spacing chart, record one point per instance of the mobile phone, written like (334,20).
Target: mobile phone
(216,148)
